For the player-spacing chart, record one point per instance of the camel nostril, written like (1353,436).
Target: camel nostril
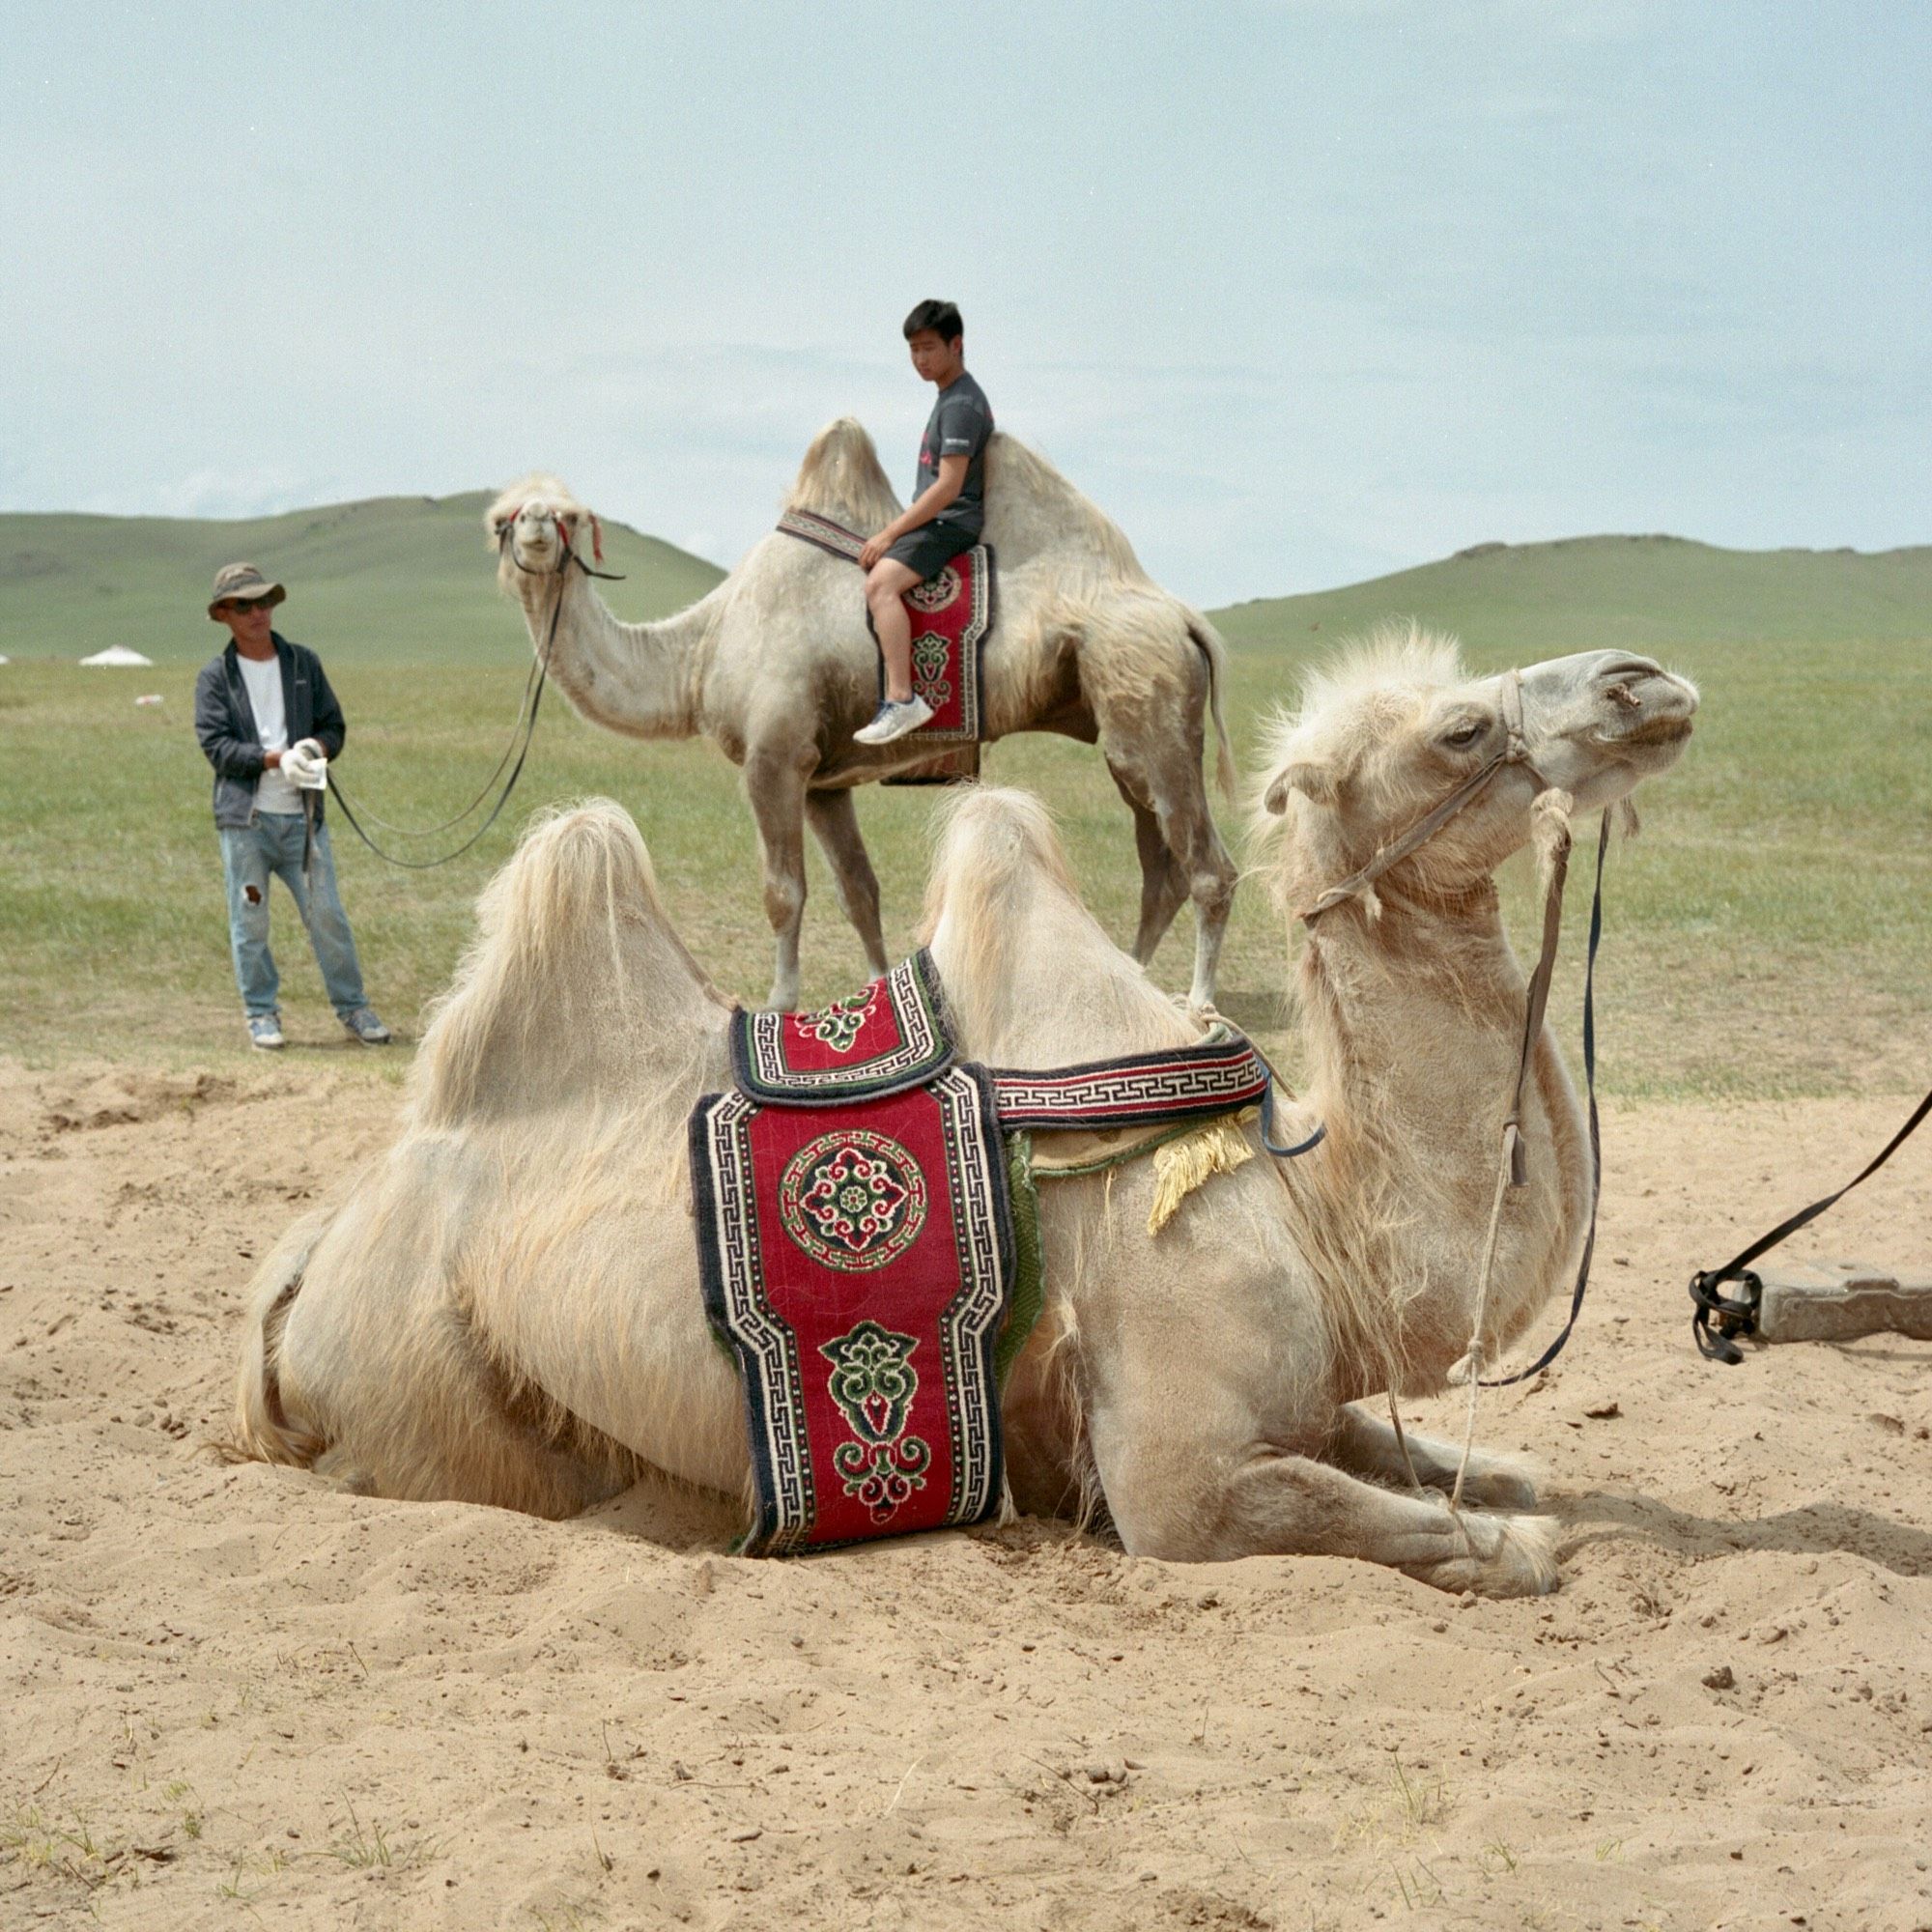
(1623,670)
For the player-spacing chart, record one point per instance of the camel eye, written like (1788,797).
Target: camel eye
(1464,735)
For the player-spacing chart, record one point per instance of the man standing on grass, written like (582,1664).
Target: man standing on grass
(945,516)
(268,720)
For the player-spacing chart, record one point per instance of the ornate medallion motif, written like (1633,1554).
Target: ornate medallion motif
(837,1025)
(852,1200)
(938,595)
(930,654)
(874,1382)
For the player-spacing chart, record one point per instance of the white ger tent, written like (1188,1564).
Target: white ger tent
(117,654)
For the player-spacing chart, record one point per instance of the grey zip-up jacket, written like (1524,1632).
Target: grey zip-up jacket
(224,721)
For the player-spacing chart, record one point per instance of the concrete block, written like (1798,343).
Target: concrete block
(1838,1301)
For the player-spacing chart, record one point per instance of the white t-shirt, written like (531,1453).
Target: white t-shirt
(262,678)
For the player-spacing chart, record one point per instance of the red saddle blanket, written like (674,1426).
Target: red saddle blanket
(859,1261)
(950,619)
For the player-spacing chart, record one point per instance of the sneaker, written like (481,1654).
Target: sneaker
(893,720)
(265,1030)
(366,1027)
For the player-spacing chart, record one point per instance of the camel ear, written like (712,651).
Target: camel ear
(1307,776)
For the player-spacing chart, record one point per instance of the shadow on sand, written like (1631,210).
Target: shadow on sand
(1816,1530)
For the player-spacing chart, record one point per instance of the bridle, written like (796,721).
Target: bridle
(1512,1167)
(526,709)
(1515,751)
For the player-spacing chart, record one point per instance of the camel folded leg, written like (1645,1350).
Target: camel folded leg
(1200,1503)
(1366,1445)
(834,818)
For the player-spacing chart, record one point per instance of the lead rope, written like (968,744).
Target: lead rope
(540,672)
(1475,1354)
(1512,1145)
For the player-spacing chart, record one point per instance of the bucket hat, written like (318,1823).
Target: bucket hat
(241,583)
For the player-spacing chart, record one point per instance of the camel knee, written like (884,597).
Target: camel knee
(1213,891)
(784,901)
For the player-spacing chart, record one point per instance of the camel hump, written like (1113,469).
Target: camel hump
(842,478)
(1028,504)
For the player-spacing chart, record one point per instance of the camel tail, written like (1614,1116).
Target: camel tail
(1208,640)
(262,1429)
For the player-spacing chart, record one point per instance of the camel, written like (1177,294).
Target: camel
(778,668)
(505,1308)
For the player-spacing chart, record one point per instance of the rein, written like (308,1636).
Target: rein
(525,725)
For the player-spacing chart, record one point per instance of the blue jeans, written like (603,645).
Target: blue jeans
(250,855)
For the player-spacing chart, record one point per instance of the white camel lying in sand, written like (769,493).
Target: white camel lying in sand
(776,665)
(507,1308)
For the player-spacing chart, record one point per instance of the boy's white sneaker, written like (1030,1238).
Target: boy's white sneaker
(892,722)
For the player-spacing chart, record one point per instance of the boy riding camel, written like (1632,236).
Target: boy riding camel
(946,516)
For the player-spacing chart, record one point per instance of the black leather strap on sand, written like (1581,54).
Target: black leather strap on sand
(1721,1317)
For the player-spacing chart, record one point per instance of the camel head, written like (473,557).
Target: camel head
(534,523)
(1394,729)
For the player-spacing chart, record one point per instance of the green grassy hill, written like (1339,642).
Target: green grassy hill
(408,579)
(396,578)
(1643,593)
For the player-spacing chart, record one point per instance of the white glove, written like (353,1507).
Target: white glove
(305,765)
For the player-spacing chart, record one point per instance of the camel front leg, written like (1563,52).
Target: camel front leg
(1210,876)
(1203,1461)
(1366,1445)
(778,793)
(1162,886)
(1216,1502)
(1183,826)
(834,818)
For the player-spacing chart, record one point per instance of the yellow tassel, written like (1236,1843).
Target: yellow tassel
(1184,1165)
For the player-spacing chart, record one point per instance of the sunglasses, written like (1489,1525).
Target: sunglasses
(248,604)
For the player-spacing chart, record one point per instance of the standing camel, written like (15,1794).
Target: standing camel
(505,1308)
(777,665)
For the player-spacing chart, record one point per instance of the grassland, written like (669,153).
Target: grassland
(1768,936)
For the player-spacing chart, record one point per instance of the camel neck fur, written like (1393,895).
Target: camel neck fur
(644,680)
(1413,1021)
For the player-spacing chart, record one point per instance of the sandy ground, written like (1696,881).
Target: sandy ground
(229,1694)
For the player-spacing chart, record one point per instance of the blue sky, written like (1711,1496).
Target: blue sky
(1299,292)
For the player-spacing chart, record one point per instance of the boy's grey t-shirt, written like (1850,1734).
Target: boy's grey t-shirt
(961,424)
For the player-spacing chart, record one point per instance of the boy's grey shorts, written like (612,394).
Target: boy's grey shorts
(930,548)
